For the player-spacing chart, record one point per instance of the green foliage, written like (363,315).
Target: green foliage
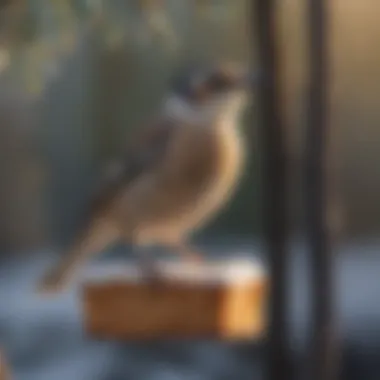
(42,32)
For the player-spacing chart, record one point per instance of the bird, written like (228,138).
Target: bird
(176,174)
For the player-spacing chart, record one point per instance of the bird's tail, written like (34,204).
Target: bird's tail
(95,239)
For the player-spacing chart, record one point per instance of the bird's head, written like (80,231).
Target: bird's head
(209,95)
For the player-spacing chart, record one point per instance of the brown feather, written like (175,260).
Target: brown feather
(144,152)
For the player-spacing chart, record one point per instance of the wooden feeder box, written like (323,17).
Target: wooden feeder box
(220,299)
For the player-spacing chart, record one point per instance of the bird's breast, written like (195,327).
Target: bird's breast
(196,177)
(229,156)
(204,168)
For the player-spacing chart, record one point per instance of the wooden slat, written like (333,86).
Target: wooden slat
(186,305)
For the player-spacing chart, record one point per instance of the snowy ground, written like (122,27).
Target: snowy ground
(44,340)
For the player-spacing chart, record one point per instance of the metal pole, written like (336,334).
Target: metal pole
(323,366)
(275,172)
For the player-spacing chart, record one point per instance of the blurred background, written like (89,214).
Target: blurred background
(77,76)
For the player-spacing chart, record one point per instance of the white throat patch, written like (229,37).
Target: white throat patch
(181,110)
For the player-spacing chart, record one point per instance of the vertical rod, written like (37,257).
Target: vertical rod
(274,171)
(317,199)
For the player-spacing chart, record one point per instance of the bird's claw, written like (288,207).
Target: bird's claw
(195,258)
(152,276)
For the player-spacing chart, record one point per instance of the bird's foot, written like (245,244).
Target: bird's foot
(152,276)
(194,257)
(190,256)
(187,253)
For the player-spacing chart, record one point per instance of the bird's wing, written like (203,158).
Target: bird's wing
(145,151)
